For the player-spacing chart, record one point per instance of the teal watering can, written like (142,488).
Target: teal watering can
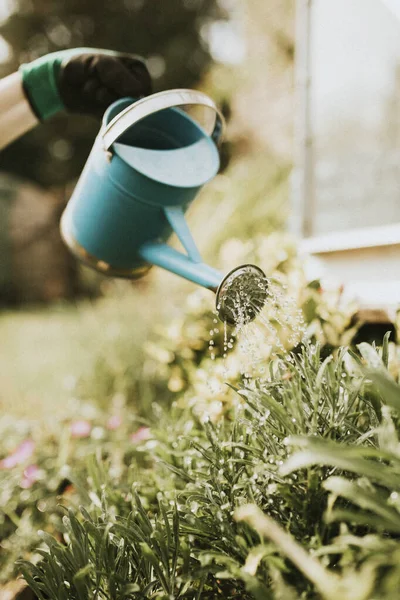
(149,161)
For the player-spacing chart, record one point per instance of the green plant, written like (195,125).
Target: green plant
(262,502)
(43,468)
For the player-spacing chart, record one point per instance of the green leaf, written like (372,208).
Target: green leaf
(131,588)
(254,558)
(267,528)
(149,555)
(356,517)
(369,500)
(80,581)
(385,349)
(347,458)
(370,355)
(310,308)
(388,389)
(82,573)
(48,539)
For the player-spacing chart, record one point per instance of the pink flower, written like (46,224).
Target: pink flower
(80,429)
(114,422)
(31,474)
(19,456)
(142,434)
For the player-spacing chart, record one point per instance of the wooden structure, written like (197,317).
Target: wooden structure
(346,184)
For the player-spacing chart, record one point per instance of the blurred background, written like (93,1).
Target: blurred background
(311,148)
(354,69)
(61,326)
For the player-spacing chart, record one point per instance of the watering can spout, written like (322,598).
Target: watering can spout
(170,259)
(240,295)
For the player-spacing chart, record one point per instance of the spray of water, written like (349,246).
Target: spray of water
(261,321)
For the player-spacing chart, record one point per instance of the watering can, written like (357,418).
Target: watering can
(149,161)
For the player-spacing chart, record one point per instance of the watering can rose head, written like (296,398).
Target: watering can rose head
(241,295)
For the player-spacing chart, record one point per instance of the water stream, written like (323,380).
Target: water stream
(277,326)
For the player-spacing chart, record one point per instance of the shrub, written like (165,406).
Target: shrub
(295,495)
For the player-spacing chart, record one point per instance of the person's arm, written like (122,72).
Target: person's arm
(80,80)
(16,116)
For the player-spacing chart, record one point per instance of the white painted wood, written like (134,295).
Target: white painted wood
(303,197)
(352,239)
(394,6)
(370,275)
(366,260)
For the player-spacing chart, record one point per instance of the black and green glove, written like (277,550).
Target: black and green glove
(82,80)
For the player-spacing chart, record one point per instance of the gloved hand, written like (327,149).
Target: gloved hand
(82,80)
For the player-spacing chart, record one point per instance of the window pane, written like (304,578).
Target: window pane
(355,103)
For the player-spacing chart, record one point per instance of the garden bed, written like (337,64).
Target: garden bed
(189,508)
(281,485)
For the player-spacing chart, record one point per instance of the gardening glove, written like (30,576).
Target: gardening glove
(82,80)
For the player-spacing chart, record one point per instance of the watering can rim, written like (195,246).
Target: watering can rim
(168,176)
(144,107)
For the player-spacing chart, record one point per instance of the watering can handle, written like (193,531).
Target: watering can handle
(154,103)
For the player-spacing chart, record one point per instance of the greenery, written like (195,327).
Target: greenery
(204,509)
(196,499)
